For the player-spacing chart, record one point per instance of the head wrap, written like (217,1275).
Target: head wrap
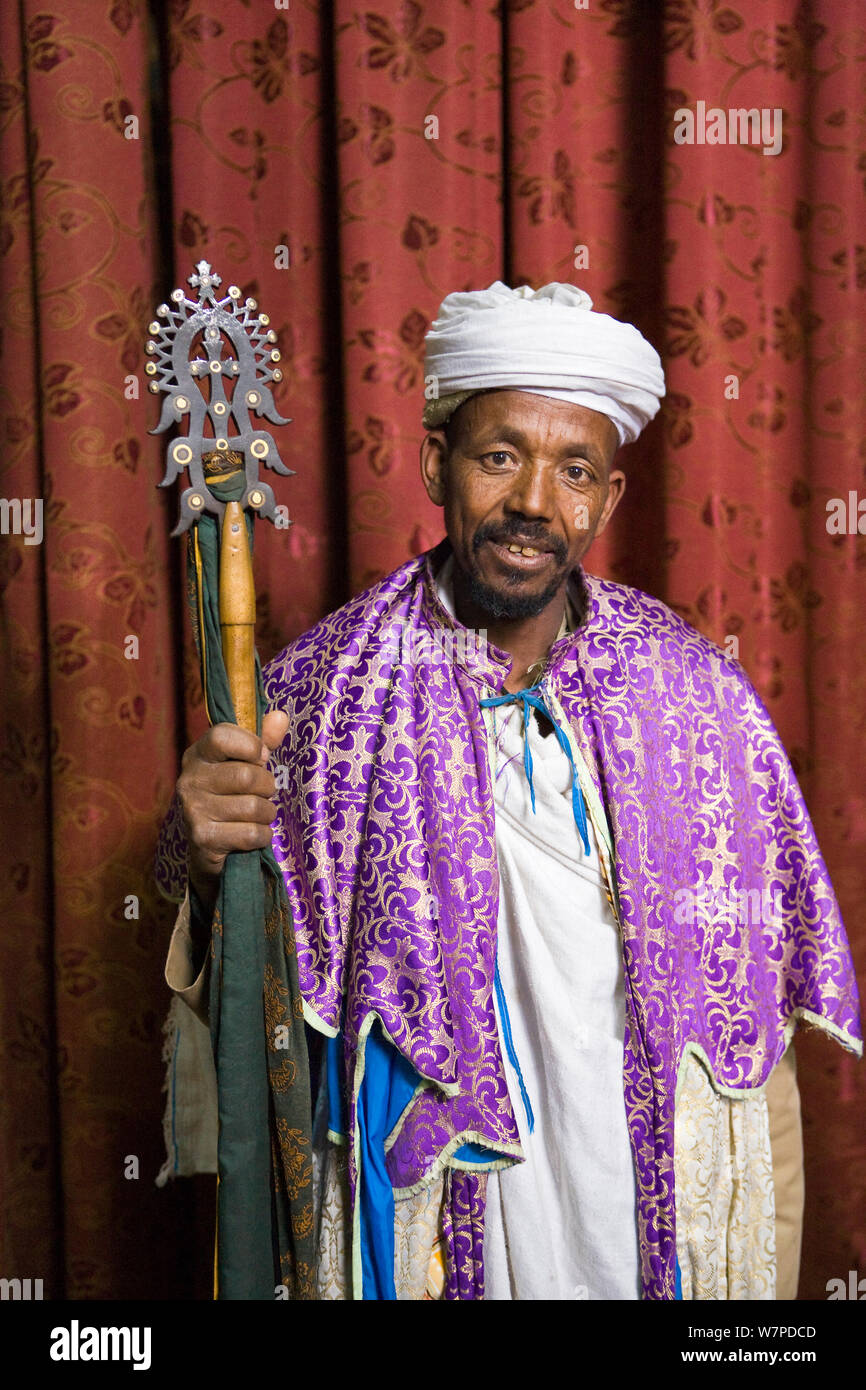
(549,342)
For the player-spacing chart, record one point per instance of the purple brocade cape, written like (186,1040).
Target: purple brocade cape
(385,835)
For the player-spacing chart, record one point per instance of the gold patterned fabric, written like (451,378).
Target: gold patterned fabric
(726,1241)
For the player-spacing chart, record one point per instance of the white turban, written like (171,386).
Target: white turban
(549,342)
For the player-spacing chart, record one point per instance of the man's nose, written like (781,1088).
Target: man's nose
(532,491)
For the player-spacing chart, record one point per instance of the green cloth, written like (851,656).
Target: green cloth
(265,1229)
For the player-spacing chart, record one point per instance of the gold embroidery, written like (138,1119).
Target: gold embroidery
(276,1013)
(284,1076)
(297,1168)
(302,1221)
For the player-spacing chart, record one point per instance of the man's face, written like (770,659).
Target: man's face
(526,484)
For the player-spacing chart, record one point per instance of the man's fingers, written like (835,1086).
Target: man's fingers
(236,810)
(229,743)
(249,830)
(230,779)
(275,726)
(226,792)
(221,838)
(225,743)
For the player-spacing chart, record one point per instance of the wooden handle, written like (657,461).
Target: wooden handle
(238,614)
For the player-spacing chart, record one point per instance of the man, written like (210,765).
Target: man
(557,900)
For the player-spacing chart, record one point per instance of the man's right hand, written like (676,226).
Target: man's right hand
(226,794)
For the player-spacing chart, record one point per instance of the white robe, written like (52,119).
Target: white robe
(561,1225)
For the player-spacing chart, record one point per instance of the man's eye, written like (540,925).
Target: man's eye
(578,473)
(498,458)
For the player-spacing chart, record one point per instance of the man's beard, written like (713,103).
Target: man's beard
(499,605)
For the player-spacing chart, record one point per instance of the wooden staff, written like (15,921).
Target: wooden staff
(237,599)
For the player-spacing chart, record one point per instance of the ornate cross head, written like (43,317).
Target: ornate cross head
(200,348)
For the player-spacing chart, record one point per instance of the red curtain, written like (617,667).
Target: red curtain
(350,167)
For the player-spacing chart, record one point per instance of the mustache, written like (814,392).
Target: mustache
(520,533)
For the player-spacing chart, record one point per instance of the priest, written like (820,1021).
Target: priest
(558,903)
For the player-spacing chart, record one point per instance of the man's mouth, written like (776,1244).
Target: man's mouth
(521,555)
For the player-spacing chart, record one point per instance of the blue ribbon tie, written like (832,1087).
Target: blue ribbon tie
(530,699)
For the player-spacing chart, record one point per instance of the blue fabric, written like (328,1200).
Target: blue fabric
(388,1084)
(509,1046)
(536,701)
(336,1086)
(476,1153)
(678,1285)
